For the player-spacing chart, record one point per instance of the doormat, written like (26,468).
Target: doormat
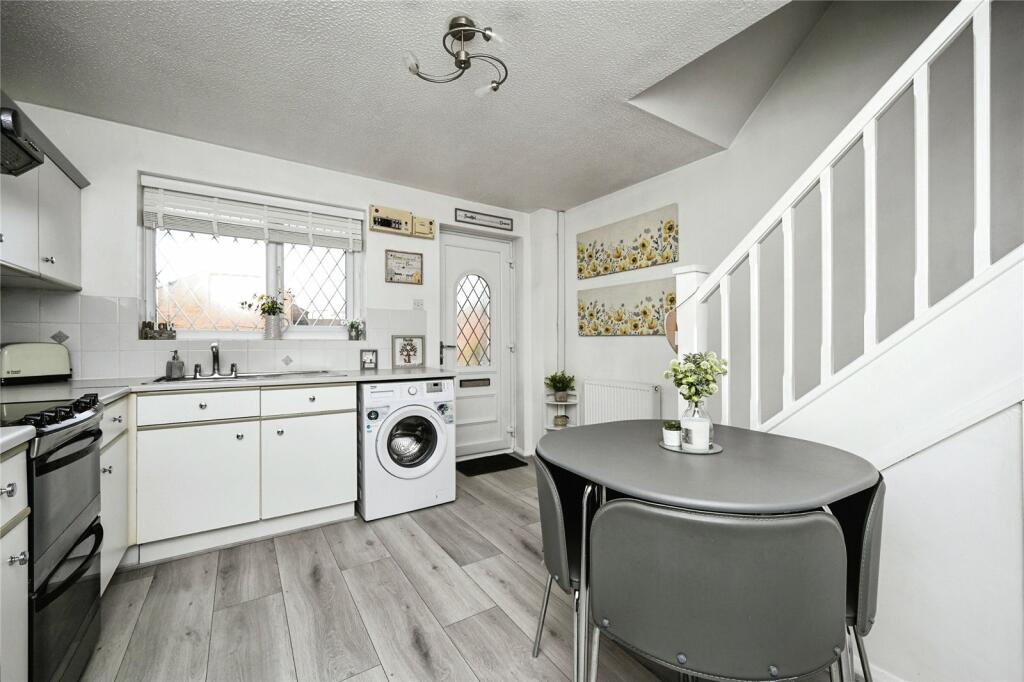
(488,465)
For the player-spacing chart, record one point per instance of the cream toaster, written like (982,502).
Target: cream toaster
(22,363)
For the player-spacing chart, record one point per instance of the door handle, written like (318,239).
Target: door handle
(443,347)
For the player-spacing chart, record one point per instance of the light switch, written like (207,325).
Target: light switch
(417,304)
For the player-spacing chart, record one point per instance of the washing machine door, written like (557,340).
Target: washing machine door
(411,442)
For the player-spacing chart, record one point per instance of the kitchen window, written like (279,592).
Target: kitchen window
(210,248)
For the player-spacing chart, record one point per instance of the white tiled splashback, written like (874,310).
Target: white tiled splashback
(102,335)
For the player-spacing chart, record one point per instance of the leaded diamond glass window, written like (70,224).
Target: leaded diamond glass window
(316,278)
(473,320)
(202,278)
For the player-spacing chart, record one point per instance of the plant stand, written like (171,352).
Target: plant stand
(554,408)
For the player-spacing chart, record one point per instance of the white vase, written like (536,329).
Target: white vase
(272,327)
(697,428)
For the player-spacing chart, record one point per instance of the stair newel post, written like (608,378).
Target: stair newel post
(691,315)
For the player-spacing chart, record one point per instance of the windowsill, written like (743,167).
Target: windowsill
(258,336)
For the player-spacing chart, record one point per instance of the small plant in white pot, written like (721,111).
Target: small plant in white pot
(270,308)
(560,384)
(670,432)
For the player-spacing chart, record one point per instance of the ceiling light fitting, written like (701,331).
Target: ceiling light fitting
(462,30)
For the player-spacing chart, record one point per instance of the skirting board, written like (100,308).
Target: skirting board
(224,537)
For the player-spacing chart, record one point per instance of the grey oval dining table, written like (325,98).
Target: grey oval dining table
(756,473)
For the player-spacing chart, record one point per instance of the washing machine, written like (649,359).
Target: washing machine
(406,446)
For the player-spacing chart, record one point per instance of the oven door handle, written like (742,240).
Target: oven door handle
(43,595)
(70,452)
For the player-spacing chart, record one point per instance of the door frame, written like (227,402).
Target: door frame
(511,291)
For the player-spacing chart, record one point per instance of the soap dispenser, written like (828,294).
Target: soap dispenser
(175,367)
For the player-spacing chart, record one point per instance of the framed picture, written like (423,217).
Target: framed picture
(368,358)
(403,267)
(483,219)
(407,351)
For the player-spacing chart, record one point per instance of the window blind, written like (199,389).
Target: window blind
(192,207)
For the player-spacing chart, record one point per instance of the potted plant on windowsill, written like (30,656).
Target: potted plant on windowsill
(355,330)
(560,384)
(270,308)
(670,432)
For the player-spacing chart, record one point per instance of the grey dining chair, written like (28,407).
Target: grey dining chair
(860,517)
(559,494)
(720,596)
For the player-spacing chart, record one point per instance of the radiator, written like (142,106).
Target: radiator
(609,401)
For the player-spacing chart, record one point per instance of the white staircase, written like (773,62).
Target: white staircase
(957,362)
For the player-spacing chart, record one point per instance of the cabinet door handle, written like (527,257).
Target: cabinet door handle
(10,490)
(202,406)
(117,420)
(107,470)
(19,559)
(49,259)
(239,436)
(312,398)
(280,432)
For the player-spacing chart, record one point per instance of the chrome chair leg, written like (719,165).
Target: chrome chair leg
(575,636)
(864,665)
(834,674)
(543,615)
(846,660)
(595,633)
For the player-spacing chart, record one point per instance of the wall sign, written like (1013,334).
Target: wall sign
(482,219)
(407,350)
(403,267)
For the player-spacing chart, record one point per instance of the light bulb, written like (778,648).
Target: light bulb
(486,89)
(412,63)
(491,34)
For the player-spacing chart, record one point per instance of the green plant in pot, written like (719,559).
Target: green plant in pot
(355,330)
(560,384)
(670,432)
(270,308)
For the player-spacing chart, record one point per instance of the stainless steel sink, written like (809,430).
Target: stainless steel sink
(249,376)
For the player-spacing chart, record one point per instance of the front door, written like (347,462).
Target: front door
(476,333)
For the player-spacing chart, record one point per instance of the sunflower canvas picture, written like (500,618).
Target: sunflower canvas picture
(636,309)
(642,241)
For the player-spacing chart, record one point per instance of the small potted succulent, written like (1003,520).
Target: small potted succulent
(270,308)
(670,432)
(560,384)
(355,330)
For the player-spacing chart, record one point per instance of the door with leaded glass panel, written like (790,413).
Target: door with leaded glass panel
(477,337)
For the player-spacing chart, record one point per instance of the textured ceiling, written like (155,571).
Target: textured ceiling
(323,83)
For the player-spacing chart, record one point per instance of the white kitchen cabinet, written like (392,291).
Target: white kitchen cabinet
(60,225)
(115,421)
(308,463)
(113,507)
(196,406)
(305,399)
(13,483)
(14,597)
(19,220)
(197,478)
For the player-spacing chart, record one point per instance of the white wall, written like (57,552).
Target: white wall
(111,155)
(845,59)
(950,600)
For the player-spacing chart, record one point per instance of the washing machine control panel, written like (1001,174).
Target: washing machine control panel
(413,390)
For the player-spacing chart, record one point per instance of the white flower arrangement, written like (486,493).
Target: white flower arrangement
(696,376)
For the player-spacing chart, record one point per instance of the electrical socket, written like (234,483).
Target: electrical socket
(417,304)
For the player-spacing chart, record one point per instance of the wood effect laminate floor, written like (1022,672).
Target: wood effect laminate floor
(447,593)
